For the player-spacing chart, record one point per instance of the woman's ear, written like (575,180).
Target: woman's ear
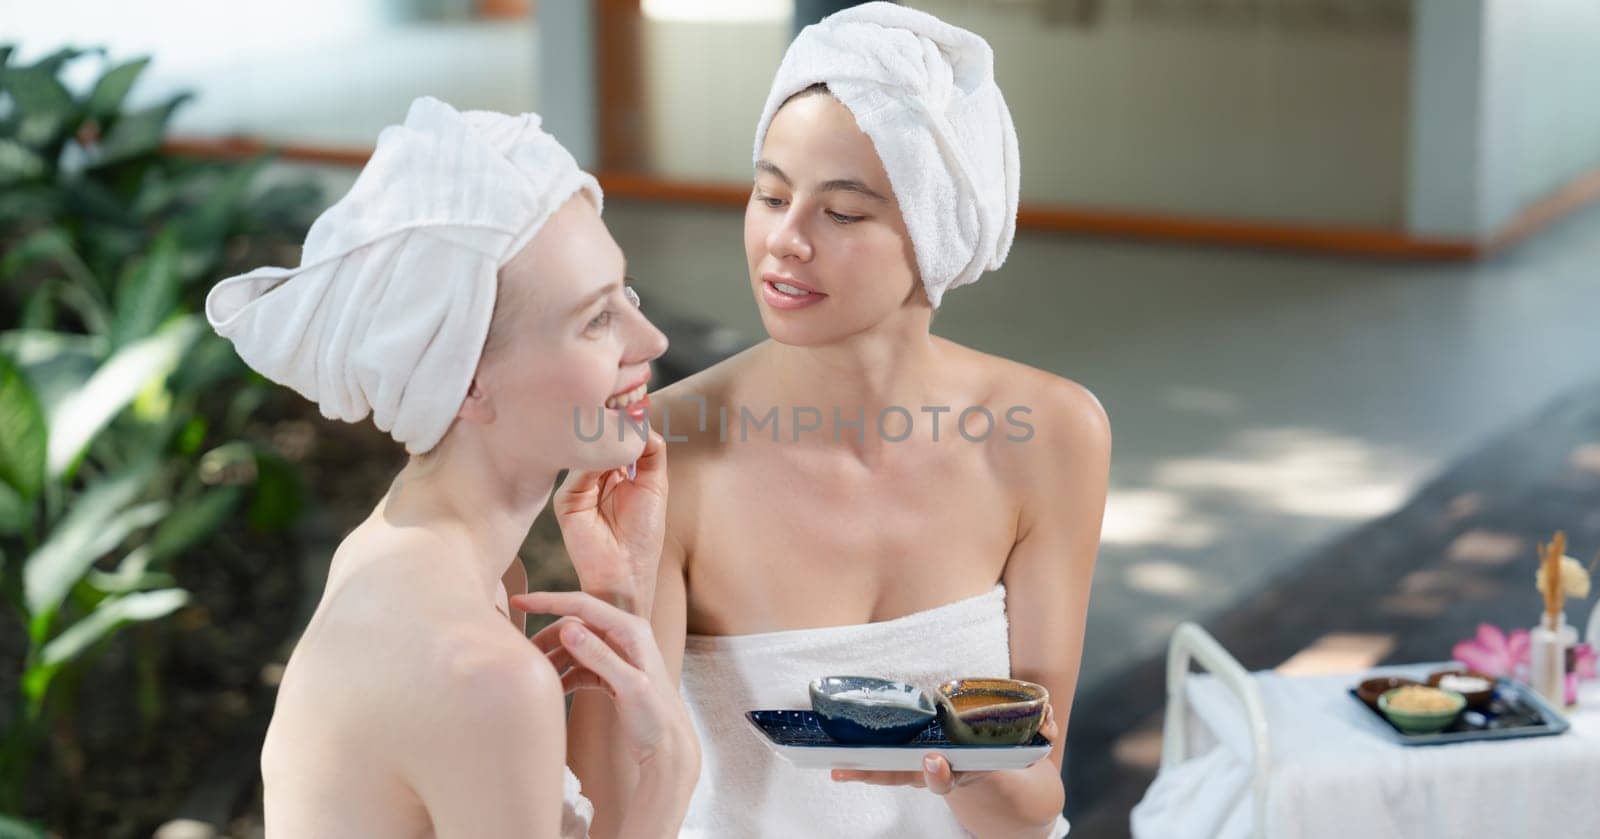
(476,407)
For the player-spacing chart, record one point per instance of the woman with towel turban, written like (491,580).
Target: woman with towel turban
(467,296)
(879,543)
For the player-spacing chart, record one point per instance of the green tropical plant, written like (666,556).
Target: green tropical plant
(121,415)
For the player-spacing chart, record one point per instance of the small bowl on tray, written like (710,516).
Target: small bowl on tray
(991,712)
(865,710)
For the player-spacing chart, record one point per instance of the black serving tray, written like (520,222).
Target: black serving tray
(1516,711)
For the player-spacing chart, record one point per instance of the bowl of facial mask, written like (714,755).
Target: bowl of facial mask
(1477,687)
(868,710)
(991,712)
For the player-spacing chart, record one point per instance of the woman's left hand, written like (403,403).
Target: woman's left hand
(613,528)
(936,775)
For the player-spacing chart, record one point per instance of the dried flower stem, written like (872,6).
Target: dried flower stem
(1551,556)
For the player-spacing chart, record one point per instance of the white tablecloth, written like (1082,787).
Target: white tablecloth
(1336,774)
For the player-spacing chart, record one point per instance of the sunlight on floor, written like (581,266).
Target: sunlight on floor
(1153,517)
(1338,652)
(1165,578)
(1300,471)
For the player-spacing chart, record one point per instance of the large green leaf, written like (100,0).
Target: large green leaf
(11,828)
(66,554)
(23,443)
(157,191)
(138,132)
(57,364)
(123,524)
(147,293)
(14,511)
(210,361)
(53,62)
(209,222)
(112,88)
(132,574)
(90,199)
(279,496)
(191,523)
(112,613)
(80,416)
(108,616)
(25,202)
(45,109)
(19,163)
(38,310)
(47,243)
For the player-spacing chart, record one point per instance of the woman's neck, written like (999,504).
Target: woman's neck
(862,377)
(467,497)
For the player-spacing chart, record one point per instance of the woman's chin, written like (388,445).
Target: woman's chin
(611,454)
(790,333)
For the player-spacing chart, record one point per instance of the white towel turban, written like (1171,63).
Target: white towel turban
(389,309)
(924,92)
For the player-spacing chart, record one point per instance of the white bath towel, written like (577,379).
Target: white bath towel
(924,92)
(577,812)
(389,308)
(746,790)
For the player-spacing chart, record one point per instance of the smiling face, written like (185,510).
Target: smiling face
(827,248)
(565,337)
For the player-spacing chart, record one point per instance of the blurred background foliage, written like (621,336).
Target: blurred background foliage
(132,450)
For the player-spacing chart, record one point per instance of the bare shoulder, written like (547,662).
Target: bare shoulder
(415,622)
(688,408)
(1058,409)
(1050,428)
(483,673)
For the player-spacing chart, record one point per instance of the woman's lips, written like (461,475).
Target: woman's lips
(778,298)
(638,410)
(635,401)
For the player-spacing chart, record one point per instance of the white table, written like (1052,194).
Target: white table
(1331,770)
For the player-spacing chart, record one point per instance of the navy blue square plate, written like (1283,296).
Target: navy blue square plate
(798,738)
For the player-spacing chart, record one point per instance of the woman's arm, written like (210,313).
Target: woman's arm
(1047,582)
(485,755)
(595,747)
(1064,470)
(643,758)
(652,586)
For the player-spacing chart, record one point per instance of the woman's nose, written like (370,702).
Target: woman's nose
(788,240)
(645,342)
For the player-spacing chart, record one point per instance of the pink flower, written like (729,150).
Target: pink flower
(1494,653)
(1583,662)
(1583,669)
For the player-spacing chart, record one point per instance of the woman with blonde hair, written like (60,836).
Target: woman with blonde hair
(466,295)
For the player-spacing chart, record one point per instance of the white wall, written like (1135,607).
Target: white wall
(1217,119)
(1508,109)
(299,71)
(1552,104)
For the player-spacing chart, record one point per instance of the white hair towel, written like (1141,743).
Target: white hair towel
(924,92)
(388,311)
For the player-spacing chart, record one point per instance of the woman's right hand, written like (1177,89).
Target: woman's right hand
(597,646)
(613,527)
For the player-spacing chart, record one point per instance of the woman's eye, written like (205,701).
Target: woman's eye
(844,219)
(599,321)
(768,200)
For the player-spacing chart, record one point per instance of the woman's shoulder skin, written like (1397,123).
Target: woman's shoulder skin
(406,670)
(1052,429)
(688,408)
(1059,410)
